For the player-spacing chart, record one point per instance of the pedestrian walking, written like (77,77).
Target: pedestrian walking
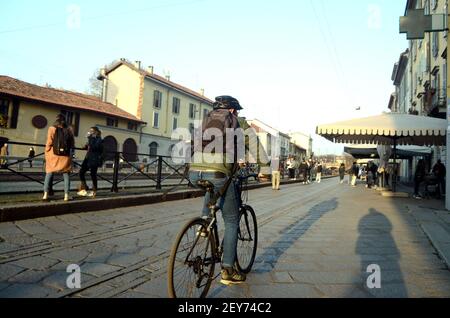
(276,174)
(342,173)
(4,153)
(319,173)
(354,173)
(31,155)
(58,156)
(291,167)
(440,172)
(92,161)
(303,169)
(419,177)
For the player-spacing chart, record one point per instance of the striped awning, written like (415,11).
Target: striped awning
(386,128)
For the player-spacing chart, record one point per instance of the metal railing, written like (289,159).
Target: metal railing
(117,171)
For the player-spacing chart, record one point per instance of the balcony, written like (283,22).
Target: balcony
(437,102)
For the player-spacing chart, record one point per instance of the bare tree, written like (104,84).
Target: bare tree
(95,85)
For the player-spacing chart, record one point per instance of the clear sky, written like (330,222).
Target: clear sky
(292,63)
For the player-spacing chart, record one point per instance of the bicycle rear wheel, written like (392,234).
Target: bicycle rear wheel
(247,240)
(192,262)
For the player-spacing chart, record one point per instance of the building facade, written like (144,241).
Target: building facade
(27,111)
(420,77)
(164,105)
(303,141)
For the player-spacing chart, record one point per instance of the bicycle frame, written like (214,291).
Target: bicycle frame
(212,227)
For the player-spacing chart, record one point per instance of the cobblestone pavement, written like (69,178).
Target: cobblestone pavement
(314,241)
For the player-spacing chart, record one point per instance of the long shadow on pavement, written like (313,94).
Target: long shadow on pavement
(376,245)
(290,235)
(293,233)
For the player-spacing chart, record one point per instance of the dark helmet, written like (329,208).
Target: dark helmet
(227,102)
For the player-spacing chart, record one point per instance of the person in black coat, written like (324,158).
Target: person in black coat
(92,161)
(31,155)
(440,173)
(342,173)
(419,177)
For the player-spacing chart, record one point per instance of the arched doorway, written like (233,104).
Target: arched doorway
(110,146)
(153,149)
(130,150)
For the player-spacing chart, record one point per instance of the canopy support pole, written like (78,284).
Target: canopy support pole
(394,171)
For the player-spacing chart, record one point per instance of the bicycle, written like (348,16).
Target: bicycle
(197,248)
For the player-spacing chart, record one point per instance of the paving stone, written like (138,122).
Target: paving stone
(37,262)
(72,255)
(327,277)
(341,291)
(98,269)
(7,271)
(25,291)
(29,277)
(57,280)
(133,295)
(282,277)
(125,260)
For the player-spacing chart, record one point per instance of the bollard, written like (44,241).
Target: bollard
(115,187)
(159,174)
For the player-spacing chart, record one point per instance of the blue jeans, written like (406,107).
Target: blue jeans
(49,179)
(230,212)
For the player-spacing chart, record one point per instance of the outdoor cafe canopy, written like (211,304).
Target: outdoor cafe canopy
(388,129)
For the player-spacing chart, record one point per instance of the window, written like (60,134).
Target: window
(4,113)
(72,120)
(176,105)
(132,126)
(205,113)
(191,129)
(153,149)
(112,122)
(157,99)
(434,4)
(69,116)
(427,7)
(175,124)
(155,120)
(192,111)
(435,44)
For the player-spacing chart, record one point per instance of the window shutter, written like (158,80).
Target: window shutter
(15,114)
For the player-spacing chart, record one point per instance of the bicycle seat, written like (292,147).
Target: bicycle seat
(205,185)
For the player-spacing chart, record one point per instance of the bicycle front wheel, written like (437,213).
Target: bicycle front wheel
(192,262)
(247,240)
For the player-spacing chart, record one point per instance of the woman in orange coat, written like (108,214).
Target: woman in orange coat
(58,163)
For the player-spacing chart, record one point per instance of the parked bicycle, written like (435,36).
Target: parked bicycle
(198,248)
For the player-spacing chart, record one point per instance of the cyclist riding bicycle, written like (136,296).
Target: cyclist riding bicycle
(225,118)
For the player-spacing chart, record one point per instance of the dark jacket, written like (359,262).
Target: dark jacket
(94,156)
(439,170)
(342,171)
(355,170)
(420,172)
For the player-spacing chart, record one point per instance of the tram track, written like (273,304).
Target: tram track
(160,270)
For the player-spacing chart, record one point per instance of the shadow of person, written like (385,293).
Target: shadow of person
(293,233)
(266,262)
(380,268)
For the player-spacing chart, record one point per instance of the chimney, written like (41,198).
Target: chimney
(104,80)
(168,77)
(150,70)
(137,64)
(202,91)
